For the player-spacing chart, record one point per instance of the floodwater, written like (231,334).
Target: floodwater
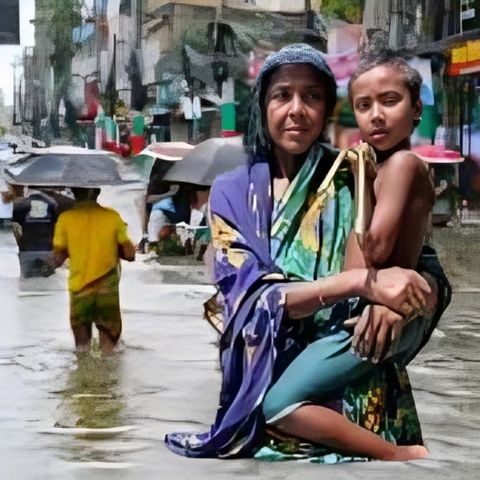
(166,377)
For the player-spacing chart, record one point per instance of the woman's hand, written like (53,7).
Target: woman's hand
(375,331)
(401,290)
(432,298)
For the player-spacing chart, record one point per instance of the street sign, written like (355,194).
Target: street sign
(468,14)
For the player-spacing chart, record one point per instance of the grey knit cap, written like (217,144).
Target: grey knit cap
(295,53)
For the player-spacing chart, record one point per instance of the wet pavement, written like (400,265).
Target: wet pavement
(166,377)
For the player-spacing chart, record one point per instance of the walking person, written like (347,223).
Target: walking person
(94,239)
(33,221)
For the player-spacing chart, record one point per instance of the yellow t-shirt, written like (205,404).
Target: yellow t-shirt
(91,235)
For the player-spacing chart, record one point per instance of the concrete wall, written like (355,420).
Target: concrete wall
(286,6)
(151,5)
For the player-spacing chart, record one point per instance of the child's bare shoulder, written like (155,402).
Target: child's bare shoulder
(404,160)
(404,169)
(404,164)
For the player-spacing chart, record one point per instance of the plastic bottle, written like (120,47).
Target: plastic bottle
(465,215)
(440,137)
(99,129)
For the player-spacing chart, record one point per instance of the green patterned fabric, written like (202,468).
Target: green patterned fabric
(309,231)
(382,403)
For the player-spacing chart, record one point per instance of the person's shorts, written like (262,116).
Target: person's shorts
(156,222)
(98,303)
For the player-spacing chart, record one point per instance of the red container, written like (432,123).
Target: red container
(229,133)
(137,142)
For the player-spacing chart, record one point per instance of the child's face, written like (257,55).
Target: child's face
(383,107)
(296,109)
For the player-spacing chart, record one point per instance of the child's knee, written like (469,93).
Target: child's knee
(272,405)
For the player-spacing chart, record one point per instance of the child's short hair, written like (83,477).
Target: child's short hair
(388,58)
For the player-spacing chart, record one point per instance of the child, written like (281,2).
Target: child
(385,94)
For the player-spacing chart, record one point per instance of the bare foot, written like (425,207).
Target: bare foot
(408,452)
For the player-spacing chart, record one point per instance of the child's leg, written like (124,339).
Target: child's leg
(82,335)
(323,367)
(327,427)
(328,365)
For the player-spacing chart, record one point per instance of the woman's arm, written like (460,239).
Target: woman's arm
(403,291)
(160,196)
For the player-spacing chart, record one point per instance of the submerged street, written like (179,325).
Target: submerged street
(166,377)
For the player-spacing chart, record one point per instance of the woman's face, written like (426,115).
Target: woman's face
(295,109)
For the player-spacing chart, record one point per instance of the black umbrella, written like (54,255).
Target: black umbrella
(68,170)
(207,160)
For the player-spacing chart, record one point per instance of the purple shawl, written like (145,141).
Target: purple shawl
(253,313)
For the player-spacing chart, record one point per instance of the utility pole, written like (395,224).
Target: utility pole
(16,63)
(14,119)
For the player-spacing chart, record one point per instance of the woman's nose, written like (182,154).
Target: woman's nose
(297,107)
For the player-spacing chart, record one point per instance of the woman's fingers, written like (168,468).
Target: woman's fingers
(423,284)
(375,331)
(360,328)
(351,322)
(364,334)
(415,300)
(382,342)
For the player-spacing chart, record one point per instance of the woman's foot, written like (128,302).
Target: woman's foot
(407,452)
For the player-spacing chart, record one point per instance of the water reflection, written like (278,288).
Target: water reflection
(91,398)
(91,414)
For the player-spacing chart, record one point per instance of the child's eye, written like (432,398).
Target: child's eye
(390,101)
(362,106)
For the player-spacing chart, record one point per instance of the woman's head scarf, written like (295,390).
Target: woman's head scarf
(257,138)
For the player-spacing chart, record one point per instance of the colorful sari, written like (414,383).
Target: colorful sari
(259,249)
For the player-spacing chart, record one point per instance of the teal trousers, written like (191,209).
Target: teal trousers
(328,365)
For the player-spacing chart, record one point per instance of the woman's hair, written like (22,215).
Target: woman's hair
(257,139)
(388,58)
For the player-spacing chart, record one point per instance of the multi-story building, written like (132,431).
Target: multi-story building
(446,33)
(153,55)
(203,49)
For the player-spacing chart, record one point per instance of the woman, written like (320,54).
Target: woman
(279,230)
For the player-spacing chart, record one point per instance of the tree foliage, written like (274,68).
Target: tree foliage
(348,10)
(62,16)
(59,18)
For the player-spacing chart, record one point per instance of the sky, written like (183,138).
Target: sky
(9,52)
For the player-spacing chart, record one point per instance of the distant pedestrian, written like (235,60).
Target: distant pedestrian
(168,208)
(94,238)
(33,222)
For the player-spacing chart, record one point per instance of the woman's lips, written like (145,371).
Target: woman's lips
(296,131)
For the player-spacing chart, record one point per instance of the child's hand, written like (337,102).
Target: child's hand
(375,331)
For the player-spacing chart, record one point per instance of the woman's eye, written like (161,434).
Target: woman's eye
(280,95)
(315,96)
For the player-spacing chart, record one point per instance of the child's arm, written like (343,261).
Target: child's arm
(396,180)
